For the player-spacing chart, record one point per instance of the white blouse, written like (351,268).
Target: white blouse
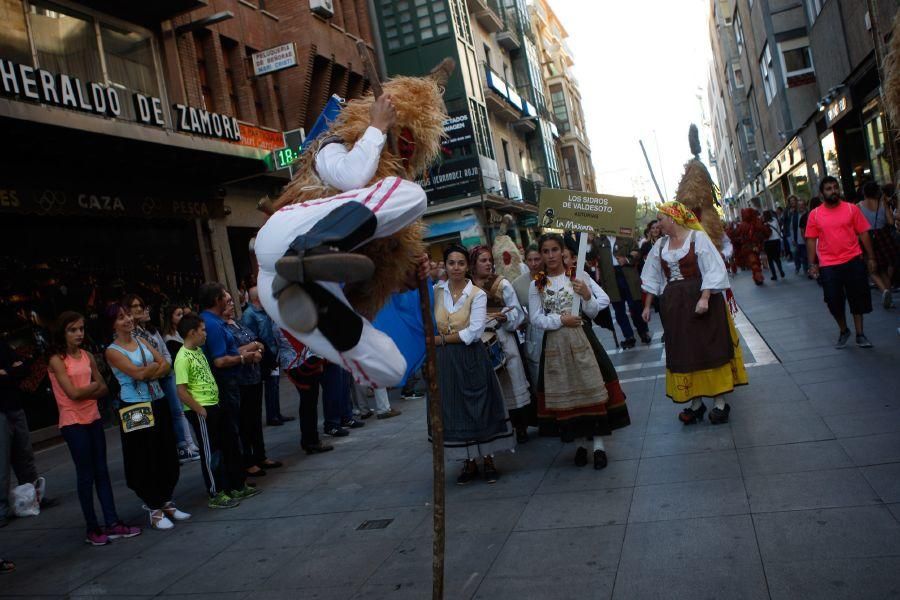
(515,316)
(713,275)
(351,169)
(545,309)
(478,314)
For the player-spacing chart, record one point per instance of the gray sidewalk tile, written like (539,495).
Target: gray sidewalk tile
(476,517)
(895,510)
(345,529)
(673,501)
(713,557)
(809,489)
(235,570)
(467,559)
(833,533)
(885,479)
(770,432)
(865,423)
(569,478)
(576,509)
(694,438)
(550,585)
(324,593)
(512,484)
(838,579)
(873,449)
(689,467)
(578,553)
(709,578)
(270,533)
(411,590)
(793,458)
(332,565)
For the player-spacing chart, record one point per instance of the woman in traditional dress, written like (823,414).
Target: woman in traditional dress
(476,423)
(703,352)
(573,363)
(504,316)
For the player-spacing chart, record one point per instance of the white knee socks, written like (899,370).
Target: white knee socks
(720,402)
(696,403)
(598,443)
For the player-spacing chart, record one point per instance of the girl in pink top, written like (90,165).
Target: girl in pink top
(77,384)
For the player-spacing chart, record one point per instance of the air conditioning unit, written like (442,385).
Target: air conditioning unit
(323,8)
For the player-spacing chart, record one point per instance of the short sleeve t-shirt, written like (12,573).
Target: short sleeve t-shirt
(219,342)
(192,370)
(837,230)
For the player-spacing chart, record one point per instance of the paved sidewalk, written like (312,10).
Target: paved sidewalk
(799,497)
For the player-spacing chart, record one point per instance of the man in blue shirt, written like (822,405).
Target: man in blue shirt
(256,320)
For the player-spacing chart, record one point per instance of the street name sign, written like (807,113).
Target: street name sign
(274,59)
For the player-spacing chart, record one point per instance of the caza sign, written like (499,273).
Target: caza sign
(27,83)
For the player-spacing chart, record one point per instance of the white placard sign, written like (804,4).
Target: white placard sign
(274,59)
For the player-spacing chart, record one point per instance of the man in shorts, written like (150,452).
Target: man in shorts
(834,232)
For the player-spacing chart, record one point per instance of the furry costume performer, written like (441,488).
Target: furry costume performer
(507,260)
(749,237)
(697,191)
(357,227)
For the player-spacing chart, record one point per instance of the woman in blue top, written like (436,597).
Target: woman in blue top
(149,449)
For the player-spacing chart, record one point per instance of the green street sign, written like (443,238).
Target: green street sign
(601,214)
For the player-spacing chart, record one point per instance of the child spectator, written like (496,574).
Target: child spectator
(220,454)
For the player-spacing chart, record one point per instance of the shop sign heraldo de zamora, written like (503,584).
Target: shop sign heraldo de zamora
(38,85)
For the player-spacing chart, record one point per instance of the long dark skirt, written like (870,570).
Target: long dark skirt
(605,418)
(476,422)
(151,458)
(694,342)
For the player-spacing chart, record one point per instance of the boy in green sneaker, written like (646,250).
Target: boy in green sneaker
(220,455)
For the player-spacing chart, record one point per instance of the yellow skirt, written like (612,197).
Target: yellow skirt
(684,387)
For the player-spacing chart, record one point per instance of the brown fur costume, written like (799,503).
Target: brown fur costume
(697,191)
(420,110)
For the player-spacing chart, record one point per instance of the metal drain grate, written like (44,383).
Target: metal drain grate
(375,524)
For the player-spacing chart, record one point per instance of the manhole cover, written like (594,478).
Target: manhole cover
(375,524)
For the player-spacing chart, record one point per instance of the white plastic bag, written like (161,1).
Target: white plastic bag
(24,501)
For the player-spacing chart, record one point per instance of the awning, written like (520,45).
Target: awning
(443,228)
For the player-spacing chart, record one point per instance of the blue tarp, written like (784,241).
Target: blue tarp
(401,319)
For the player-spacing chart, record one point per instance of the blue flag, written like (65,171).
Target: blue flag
(401,319)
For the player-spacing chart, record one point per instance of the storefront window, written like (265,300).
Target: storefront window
(798,181)
(830,155)
(881,170)
(65,41)
(129,60)
(14,33)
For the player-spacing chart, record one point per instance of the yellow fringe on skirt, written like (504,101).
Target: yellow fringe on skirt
(684,387)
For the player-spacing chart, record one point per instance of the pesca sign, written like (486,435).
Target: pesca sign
(38,85)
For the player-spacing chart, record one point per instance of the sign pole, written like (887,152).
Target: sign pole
(579,268)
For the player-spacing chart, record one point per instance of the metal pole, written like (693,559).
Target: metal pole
(650,168)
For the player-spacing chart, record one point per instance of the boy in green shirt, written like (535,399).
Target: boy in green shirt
(220,455)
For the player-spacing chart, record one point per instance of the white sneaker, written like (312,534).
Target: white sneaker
(172,512)
(40,486)
(159,520)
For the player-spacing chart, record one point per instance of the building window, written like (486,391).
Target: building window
(129,60)
(410,22)
(796,58)
(200,39)
(229,49)
(768,77)
(739,32)
(814,7)
(482,132)
(66,41)
(560,112)
(14,33)
(487,56)
(505,145)
(738,74)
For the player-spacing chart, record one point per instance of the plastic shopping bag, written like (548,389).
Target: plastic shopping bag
(24,501)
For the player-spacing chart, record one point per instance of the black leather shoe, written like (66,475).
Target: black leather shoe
(353,423)
(646,337)
(468,473)
(318,448)
(689,416)
(581,456)
(718,416)
(521,435)
(629,344)
(274,422)
(600,460)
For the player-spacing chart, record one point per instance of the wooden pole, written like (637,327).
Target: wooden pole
(434,393)
(437,444)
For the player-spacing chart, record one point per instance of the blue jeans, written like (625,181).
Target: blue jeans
(336,396)
(801,260)
(87,445)
(633,306)
(182,428)
(273,402)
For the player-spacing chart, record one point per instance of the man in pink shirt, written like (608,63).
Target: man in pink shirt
(834,232)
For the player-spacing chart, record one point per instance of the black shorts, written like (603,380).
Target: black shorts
(848,282)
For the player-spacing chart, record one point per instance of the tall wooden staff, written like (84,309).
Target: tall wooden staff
(434,394)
